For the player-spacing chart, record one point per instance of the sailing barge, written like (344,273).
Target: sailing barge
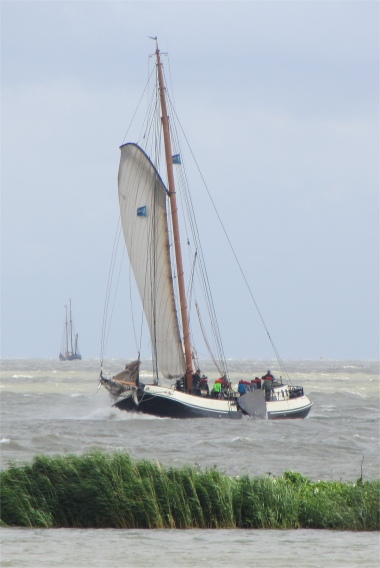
(69,349)
(150,223)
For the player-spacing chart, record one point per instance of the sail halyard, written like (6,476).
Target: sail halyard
(175,224)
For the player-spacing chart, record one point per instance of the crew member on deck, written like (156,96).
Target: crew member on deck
(217,389)
(196,382)
(268,384)
(204,385)
(255,383)
(268,376)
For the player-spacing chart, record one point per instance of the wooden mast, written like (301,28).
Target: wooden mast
(71,329)
(174,213)
(66,333)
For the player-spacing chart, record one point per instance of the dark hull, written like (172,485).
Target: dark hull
(170,403)
(299,413)
(69,357)
(167,408)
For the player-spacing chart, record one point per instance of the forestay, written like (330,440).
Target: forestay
(142,197)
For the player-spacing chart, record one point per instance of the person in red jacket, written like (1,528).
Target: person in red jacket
(268,376)
(256,383)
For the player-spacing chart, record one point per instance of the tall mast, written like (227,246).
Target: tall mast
(174,213)
(71,329)
(67,336)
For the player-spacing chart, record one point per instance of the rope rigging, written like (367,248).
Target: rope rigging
(150,140)
(105,331)
(200,265)
(281,363)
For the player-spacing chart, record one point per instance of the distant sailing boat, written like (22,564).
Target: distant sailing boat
(150,223)
(69,349)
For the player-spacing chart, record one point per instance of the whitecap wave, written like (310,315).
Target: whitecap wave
(22,377)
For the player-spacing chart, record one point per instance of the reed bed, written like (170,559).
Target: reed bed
(113,491)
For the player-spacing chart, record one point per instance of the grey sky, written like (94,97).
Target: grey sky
(280,101)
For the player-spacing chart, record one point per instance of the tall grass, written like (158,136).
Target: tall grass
(103,491)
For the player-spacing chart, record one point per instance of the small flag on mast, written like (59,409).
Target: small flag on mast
(176,159)
(141,211)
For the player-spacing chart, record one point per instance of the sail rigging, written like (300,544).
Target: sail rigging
(161,116)
(165,256)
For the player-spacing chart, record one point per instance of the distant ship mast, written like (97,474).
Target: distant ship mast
(66,354)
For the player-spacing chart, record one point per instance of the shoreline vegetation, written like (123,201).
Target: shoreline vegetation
(100,490)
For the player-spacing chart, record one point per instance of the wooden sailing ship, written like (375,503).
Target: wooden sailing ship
(69,350)
(150,223)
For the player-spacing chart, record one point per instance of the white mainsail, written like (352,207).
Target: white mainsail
(142,198)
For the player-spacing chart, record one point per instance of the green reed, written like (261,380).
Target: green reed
(113,491)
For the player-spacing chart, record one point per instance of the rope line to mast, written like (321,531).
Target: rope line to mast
(105,333)
(138,104)
(200,266)
(234,253)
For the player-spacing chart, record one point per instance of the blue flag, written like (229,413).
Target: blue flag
(141,211)
(176,159)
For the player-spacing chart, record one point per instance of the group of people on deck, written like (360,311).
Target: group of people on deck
(266,382)
(222,386)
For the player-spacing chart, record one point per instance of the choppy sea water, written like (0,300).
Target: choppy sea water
(52,407)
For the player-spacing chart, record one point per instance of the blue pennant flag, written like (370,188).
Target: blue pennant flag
(176,159)
(141,211)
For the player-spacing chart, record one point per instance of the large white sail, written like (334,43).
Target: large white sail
(142,198)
